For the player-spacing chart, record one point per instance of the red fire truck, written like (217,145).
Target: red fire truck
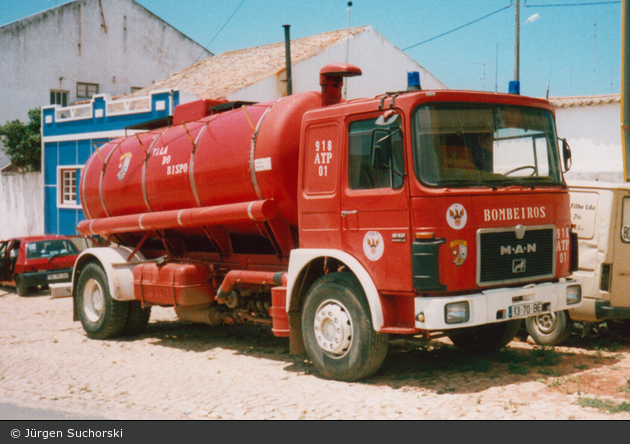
(337,223)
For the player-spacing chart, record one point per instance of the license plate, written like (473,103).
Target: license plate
(54,277)
(525,310)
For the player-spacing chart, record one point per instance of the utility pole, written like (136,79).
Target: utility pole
(517,41)
(625,87)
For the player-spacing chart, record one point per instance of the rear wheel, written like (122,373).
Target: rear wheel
(620,327)
(102,316)
(485,338)
(137,319)
(550,328)
(337,329)
(20,288)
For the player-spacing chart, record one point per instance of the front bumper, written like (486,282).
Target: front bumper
(495,305)
(46,277)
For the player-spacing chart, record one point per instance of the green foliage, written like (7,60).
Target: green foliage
(23,142)
(604,404)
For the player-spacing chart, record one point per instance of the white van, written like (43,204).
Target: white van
(600,212)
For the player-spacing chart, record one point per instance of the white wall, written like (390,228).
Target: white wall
(594,134)
(21,205)
(119,47)
(383,65)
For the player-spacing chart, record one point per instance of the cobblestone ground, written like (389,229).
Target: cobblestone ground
(178,370)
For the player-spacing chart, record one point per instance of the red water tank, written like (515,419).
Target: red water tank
(242,155)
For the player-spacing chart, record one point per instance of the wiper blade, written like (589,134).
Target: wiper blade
(465,183)
(514,182)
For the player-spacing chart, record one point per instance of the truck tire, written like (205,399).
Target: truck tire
(337,329)
(550,328)
(102,316)
(137,319)
(20,288)
(487,338)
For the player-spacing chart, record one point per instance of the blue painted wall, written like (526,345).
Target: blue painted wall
(70,141)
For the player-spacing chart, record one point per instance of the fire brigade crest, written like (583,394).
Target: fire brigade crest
(456,216)
(459,250)
(123,165)
(373,245)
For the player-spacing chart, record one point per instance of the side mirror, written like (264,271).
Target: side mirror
(390,116)
(566,155)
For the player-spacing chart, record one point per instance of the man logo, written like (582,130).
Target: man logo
(518,266)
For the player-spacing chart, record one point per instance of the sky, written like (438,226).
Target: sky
(572,48)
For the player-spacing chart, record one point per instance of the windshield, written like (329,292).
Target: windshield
(459,145)
(40,249)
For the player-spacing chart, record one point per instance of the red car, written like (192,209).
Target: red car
(30,262)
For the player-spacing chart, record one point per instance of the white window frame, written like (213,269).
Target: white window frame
(61,194)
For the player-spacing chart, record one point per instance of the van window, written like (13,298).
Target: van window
(625,220)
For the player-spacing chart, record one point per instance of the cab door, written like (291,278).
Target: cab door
(619,295)
(375,220)
(4,261)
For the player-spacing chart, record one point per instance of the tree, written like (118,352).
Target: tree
(23,142)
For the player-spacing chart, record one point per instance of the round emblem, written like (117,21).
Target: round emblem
(456,216)
(373,245)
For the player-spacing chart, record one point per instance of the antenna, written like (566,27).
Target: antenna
(496,71)
(345,86)
(348,40)
(594,41)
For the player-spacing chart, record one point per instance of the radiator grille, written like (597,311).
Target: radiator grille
(502,258)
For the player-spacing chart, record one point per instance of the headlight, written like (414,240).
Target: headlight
(574,294)
(456,312)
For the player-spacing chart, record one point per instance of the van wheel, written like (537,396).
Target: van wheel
(102,316)
(337,329)
(619,327)
(550,328)
(485,338)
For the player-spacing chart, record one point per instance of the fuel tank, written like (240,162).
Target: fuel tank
(242,155)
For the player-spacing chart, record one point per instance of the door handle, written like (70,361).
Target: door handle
(345,213)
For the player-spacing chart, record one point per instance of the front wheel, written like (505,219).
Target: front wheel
(485,338)
(550,328)
(337,329)
(102,316)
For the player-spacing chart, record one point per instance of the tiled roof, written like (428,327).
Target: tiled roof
(228,72)
(568,102)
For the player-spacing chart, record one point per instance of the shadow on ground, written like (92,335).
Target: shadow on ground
(433,365)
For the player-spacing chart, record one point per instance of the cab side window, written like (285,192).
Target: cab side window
(375,155)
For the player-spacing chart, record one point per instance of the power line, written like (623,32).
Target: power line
(206,47)
(571,4)
(460,27)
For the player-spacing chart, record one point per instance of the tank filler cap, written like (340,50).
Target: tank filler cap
(340,70)
(331,80)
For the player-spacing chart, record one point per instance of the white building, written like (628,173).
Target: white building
(86,47)
(259,74)
(592,126)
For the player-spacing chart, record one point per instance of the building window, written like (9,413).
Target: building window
(86,90)
(136,89)
(59,97)
(69,187)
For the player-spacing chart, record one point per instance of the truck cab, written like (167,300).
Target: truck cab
(442,197)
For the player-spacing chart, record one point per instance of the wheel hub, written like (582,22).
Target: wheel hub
(93,300)
(546,322)
(333,328)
